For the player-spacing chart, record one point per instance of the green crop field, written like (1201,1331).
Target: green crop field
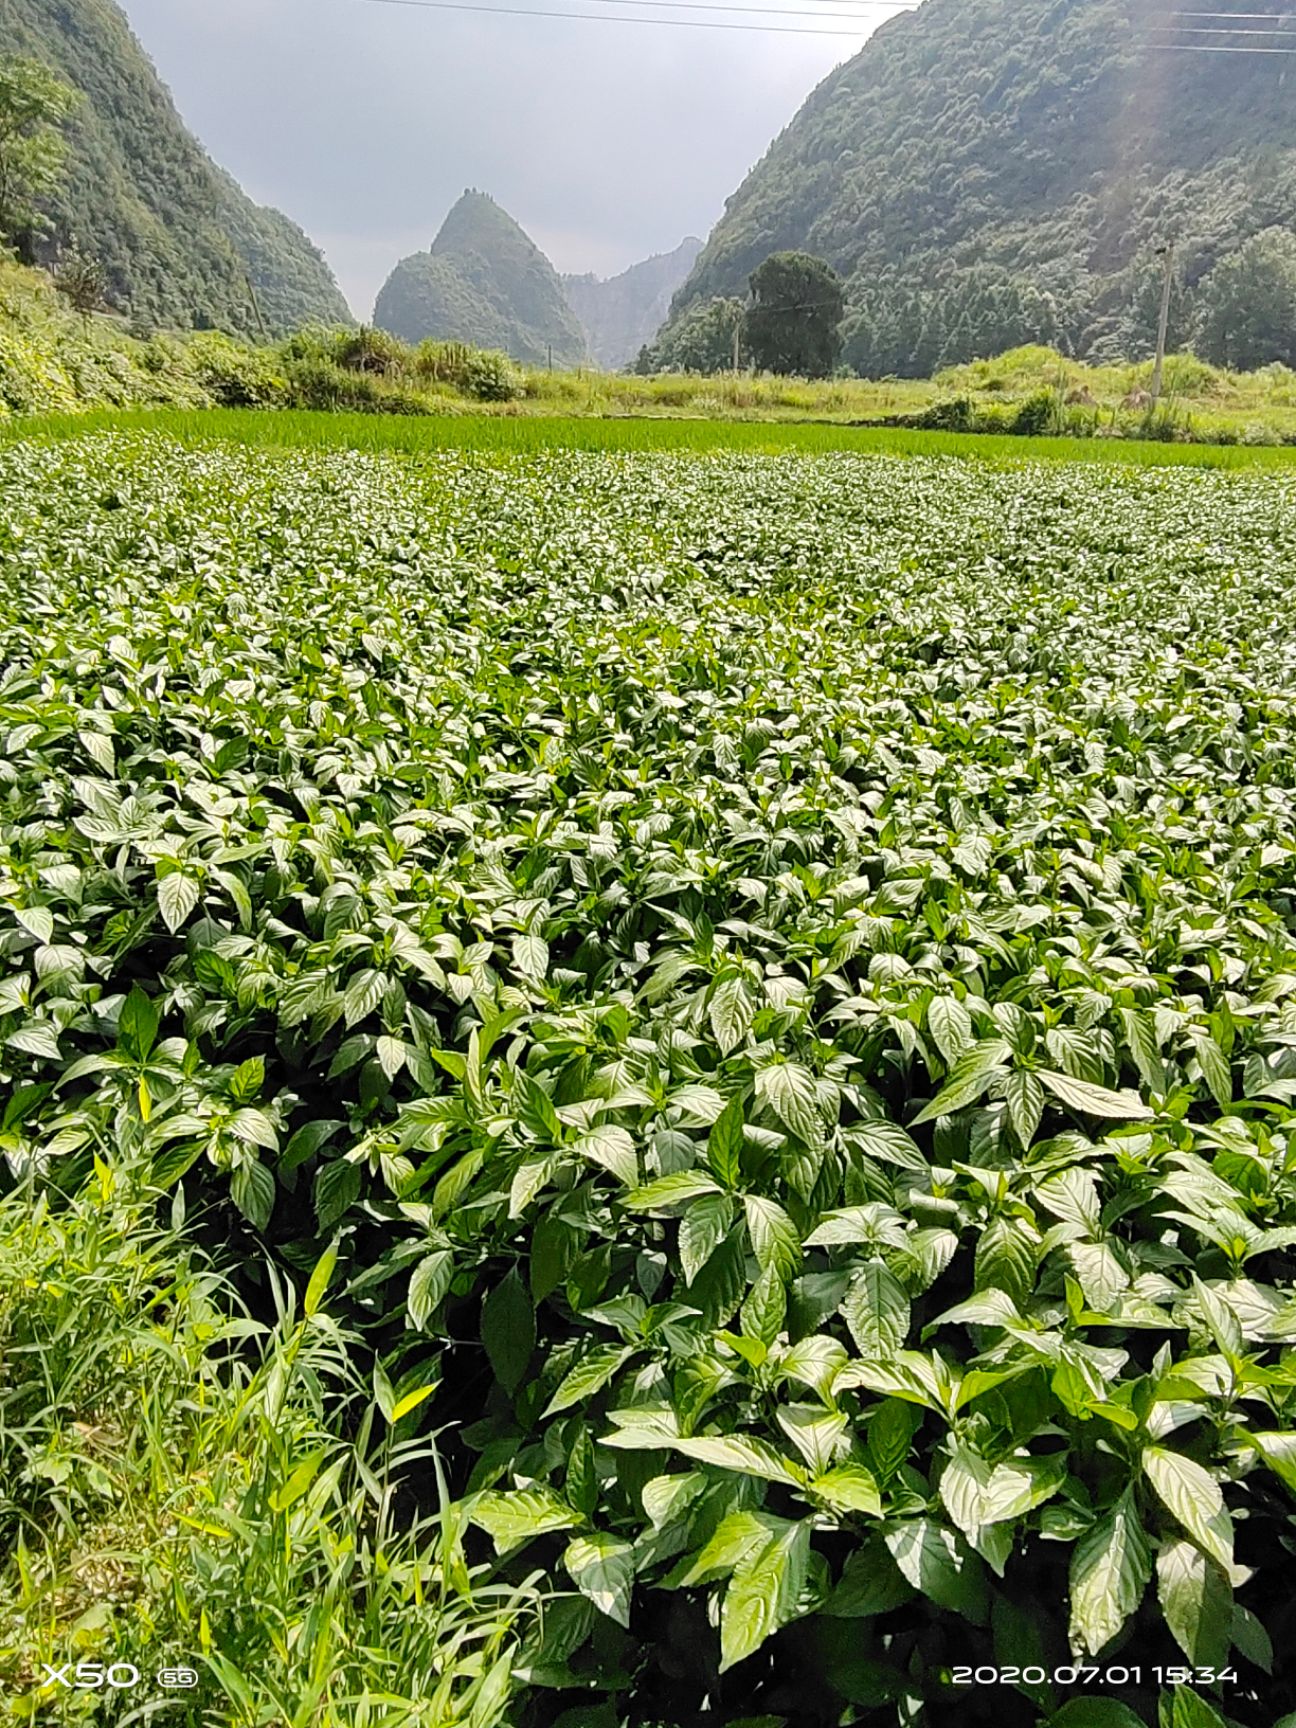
(531,434)
(646,1087)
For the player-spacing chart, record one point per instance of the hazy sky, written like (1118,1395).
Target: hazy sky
(365,120)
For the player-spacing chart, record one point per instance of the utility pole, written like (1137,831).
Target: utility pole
(256,307)
(1166,253)
(737,340)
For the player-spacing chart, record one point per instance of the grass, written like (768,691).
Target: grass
(182,1485)
(292,429)
(53,360)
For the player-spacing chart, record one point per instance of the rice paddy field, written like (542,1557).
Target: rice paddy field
(531,434)
(647,1078)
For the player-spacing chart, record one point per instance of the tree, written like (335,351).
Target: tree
(701,341)
(34,102)
(80,280)
(794,321)
(1248,304)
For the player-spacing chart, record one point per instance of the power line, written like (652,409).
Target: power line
(1209,48)
(775,11)
(618,18)
(1213,30)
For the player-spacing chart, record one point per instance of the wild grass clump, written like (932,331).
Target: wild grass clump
(182,1483)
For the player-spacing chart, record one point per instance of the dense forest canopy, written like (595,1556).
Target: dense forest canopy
(990,172)
(176,238)
(486,282)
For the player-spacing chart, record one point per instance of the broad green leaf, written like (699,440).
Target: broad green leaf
(668,1191)
(1197,1601)
(763,1595)
(730,1011)
(1193,1496)
(37,921)
(820,1436)
(1024,1097)
(1110,1569)
(1250,1639)
(1093,1711)
(889,1143)
(137,1025)
(530,1179)
(1006,1259)
(871,1583)
(429,1284)
(774,1238)
(876,1309)
(698,1106)
(735,1540)
(612,1148)
(337,1186)
(531,956)
(1090,1100)
(814,1362)
(1278,1451)
(602,1568)
(950,1025)
(891,1429)
(705,1224)
(1215,1070)
(765,1307)
(937,1564)
(508,1330)
(1191,1710)
(849,1488)
(743,1454)
(1220,1317)
(969,1078)
(512,1519)
(789,1091)
(588,1377)
(1144,1046)
(177,896)
(535,1109)
(252,1189)
(725,1143)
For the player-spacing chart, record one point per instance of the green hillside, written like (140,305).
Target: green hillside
(992,172)
(485,282)
(176,237)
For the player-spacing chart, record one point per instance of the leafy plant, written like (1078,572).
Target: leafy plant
(775,982)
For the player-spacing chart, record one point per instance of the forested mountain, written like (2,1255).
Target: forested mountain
(486,282)
(990,172)
(623,312)
(175,236)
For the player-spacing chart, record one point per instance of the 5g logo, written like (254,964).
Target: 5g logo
(91,1676)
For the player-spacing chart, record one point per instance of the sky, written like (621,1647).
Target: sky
(364,120)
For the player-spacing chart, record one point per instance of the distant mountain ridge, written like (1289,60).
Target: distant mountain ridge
(623,313)
(178,240)
(486,282)
(1001,171)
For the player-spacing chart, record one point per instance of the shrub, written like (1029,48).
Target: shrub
(324,385)
(489,376)
(372,351)
(235,375)
(1035,416)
